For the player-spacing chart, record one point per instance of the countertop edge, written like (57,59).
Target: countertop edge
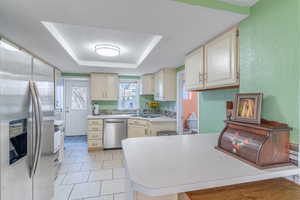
(157,119)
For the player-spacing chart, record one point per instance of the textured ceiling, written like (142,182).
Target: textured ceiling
(183,27)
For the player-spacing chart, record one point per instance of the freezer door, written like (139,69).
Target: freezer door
(15,73)
(43,179)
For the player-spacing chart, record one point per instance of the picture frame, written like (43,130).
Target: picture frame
(247,107)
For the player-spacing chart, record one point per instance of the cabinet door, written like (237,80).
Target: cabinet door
(147,86)
(137,131)
(221,66)
(98,84)
(156,86)
(161,84)
(194,73)
(169,85)
(112,91)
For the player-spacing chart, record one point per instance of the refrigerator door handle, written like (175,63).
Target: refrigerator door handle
(36,126)
(40,125)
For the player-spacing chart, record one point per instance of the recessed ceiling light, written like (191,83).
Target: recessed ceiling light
(107,50)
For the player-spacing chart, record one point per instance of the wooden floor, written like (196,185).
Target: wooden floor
(275,189)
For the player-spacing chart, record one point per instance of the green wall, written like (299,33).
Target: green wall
(144,99)
(66,74)
(269,56)
(168,105)
(212,109)
(107,105)
(270,62)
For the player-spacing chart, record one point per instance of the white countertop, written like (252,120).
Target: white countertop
(172,164)
(156,119)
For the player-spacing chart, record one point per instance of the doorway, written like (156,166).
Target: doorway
(187,109)
(77,106)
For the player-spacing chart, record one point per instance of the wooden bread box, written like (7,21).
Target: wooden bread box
(264,145)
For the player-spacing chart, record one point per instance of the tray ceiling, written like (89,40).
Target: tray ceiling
(183,27)
(80,42)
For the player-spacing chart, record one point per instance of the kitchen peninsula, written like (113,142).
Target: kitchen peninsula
(186,163)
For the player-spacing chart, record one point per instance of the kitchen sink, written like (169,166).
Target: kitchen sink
(146,115)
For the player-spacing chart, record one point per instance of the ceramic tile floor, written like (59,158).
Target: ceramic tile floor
(90,176)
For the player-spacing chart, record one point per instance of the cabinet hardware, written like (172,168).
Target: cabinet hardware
(201,77)
(205,76)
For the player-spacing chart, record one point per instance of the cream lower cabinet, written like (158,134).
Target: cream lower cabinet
(155,127)
(215,65)
(95,134)
(145,128)
(137,128)
(104,86)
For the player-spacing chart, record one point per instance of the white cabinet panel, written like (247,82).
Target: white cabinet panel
(95,134)
(165,85)
(194,72)
(147,86)
(112,89)
(104,86)
(156,85)
(221,61)
(216,65)
(137,131)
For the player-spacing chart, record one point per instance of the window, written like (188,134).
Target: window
(129,95)
(79,98)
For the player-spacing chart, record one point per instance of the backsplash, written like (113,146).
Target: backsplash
(111,107)
(106,105)
(168,106)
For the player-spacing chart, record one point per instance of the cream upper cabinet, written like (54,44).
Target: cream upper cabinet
(112,89)
(98,82)
(194,70)
(156,84)
(161,84)
(216,65)
(165,85)
(147,86)
(221,65)
(104,86)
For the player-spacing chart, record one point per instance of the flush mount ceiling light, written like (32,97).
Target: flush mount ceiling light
(107,50)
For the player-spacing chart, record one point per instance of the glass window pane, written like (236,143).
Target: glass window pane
(79,98)
(128,95)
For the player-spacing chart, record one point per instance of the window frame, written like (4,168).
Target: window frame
(137,81)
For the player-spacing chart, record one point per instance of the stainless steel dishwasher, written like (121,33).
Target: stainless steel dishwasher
(115,130)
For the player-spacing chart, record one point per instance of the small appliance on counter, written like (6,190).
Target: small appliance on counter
(96,109)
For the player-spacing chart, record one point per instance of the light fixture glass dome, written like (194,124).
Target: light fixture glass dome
(107,50)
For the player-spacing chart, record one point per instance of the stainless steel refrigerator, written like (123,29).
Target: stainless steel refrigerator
(26,126)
